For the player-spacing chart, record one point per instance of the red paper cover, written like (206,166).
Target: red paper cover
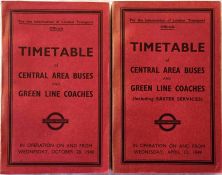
(55,87)
(166,82)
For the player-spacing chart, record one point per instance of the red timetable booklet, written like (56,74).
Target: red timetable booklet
(166,87)
(55,107)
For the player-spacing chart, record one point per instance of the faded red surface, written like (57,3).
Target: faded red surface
(81,145)
(140,145)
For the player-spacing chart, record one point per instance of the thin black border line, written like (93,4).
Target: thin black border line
(10,71)
(122,25)
(54,11)
(111,90)
(122,31)
(100,67)
(171,10)
(100,94)
(212,96)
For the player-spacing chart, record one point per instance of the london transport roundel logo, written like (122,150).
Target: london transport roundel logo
(167,122)
(55,121)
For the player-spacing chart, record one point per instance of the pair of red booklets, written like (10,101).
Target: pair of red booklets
(69,105)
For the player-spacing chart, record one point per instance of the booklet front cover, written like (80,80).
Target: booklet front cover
(55,77)
(166,82)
